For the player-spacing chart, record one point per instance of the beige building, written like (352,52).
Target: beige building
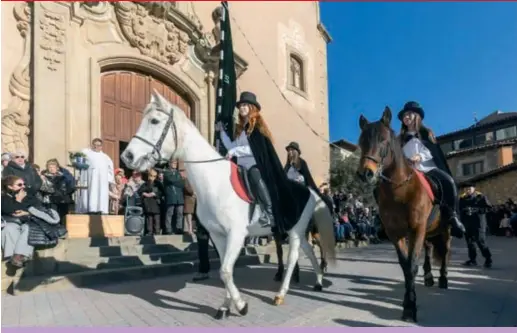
(341,149)
(75,71)
(486,154)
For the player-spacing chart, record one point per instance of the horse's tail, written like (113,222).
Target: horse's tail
(325,224)
(441,248)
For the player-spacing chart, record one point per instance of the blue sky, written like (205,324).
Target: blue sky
(455,58)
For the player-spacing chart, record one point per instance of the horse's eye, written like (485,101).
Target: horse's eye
(155,121)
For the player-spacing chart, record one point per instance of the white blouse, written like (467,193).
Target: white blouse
(294,174)
(239,148)
(416,147)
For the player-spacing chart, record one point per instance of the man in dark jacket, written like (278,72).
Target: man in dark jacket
(473,208)
(173,185)
(18,166)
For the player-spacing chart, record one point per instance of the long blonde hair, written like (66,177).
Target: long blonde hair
(294,161)
(420,128)
(254,120)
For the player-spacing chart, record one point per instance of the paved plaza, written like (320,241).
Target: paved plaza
(364,289)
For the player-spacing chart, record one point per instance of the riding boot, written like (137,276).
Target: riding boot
(450,203)
(262,194)
(457,228)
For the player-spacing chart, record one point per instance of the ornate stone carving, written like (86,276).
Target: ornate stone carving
(96,10)
(146,27)
(217,13)
(53,39)
(16,116)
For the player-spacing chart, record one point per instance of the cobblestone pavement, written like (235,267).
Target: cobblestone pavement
(364,289)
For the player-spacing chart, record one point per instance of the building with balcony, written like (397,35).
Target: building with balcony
(485,153)
(340,149)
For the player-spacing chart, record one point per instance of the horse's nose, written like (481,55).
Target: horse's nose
(128,156)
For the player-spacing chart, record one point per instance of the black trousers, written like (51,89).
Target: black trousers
(477,236)
(203,241)
(449,198)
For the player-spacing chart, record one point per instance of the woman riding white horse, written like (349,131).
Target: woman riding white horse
(282,200)
(166,132)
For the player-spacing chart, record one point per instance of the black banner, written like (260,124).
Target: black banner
(226,92)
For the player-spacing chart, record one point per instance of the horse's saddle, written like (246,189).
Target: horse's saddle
(436,189)
(242,186)
(431,186)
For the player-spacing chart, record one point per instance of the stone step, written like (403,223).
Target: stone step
(74,253)
(177,240)
(103,277)
(49,266)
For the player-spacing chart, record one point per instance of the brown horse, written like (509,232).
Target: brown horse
(407,206)
(279,239)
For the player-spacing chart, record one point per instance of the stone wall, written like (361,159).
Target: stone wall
(500,188)
(77,41)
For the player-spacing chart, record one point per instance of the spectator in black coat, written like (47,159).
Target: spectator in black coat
(173,185)
(19,167)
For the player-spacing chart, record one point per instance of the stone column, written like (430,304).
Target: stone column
(50,89)
(210,87)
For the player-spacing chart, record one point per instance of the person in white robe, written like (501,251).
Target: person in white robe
(98,177)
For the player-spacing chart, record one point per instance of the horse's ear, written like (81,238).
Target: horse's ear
(158,98)
(362,122)
(386,116)
(155,97)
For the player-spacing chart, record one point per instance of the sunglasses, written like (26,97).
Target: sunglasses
(20,184)
(21,156)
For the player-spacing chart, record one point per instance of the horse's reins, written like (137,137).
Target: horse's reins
(380,166)
(155,154)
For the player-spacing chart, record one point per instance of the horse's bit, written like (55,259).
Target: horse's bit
(155,154)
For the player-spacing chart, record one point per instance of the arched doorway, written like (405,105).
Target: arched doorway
(124,95)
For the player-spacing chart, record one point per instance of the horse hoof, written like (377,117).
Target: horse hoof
(278,300)
(443,283)
(429,282)
(222,313)
(318,287)
(244,310)
(278,277)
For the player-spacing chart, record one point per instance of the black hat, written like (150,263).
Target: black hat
(467,184)
(294,145)
(249,98)
(414,107)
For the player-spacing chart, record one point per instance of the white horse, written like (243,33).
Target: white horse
(165,133)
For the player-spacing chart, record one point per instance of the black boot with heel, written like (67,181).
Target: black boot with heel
(262,194)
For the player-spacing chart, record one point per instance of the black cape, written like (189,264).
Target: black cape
(438,155)
(309,182)
(304,171)
(287,197)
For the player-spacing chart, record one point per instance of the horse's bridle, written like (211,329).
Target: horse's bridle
(156,154)
(385,149)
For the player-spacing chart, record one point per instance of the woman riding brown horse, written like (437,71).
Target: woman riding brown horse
(406,206)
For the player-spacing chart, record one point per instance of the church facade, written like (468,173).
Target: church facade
(74,71)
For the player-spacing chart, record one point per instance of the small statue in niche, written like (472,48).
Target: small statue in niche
(216,17)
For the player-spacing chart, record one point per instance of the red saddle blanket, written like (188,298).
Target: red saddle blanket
(238,184)
(425,183)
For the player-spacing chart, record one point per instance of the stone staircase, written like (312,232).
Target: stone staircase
(100,261)
(90,262)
